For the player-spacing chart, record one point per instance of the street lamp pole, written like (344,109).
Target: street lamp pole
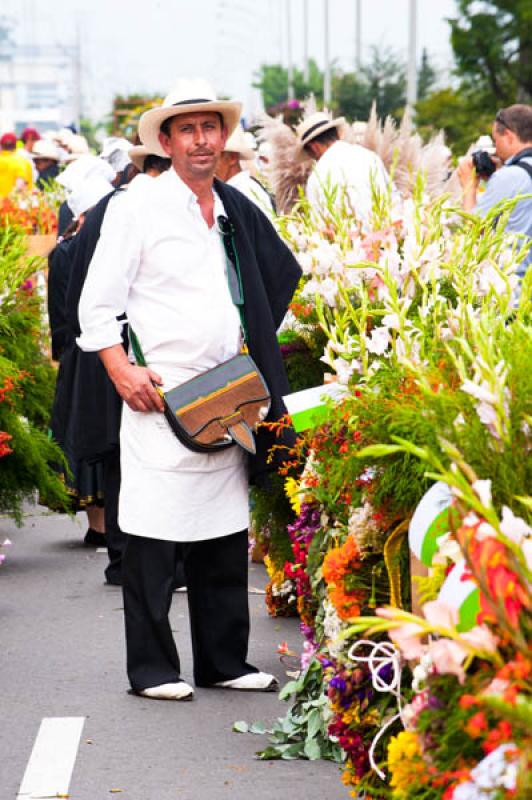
(289,52)
(411,83)
(327,70)
(358,35)
(306,71)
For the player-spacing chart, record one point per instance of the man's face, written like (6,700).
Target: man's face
(506,142)
(43,163)
(228,165)
(194,144)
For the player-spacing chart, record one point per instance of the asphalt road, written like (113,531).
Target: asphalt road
(62,656)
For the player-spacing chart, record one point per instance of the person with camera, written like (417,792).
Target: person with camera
(508,173)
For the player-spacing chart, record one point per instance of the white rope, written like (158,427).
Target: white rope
(382,654)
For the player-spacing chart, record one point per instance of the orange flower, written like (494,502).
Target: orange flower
(477,725)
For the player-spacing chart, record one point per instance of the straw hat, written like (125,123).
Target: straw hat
(237,143)
(137,155)
(186,97)
(45,149)
(83,168)
(77,146)
(315,125)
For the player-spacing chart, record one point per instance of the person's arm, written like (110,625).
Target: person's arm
(104,298)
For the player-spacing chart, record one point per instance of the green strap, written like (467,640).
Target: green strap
(234,281)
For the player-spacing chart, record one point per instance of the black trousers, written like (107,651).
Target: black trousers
(114,537)
(216,572)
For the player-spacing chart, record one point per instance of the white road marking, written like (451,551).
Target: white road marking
(52,759)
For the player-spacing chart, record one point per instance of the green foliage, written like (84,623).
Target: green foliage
(27,381)
(492,44)
(451,111)
(272,80)
(426,76)
(270,514)
(302,733)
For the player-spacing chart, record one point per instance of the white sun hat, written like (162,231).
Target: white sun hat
(115,150)
(87,194)
(315,125)
(237,143)
(186,97)
(44,148)
(84,168)
(77,146)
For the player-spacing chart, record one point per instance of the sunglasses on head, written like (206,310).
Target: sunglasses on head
(499,117)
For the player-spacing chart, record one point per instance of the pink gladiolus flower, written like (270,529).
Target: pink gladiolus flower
(447,657)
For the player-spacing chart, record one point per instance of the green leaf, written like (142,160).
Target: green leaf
(293,751)
(240,727)
(289,689)
(312,749)
(379,450)
(257,727)
(314,724)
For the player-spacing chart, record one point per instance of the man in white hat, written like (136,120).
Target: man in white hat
(46,158)
(352,168)
(160,259)
(230,170)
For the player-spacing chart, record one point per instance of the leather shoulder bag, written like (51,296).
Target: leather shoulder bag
(224,405)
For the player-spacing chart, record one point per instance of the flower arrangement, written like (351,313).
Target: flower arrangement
(27,382)
(422,323)
(31,211)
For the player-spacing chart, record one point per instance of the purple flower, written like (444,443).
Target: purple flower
(338,683)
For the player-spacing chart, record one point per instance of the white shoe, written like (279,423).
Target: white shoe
(252,682)
(169,691)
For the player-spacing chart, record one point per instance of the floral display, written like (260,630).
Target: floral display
(32,211)
(419,314)
(27,381)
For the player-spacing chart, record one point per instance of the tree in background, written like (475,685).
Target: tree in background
(426,76)
(450,110)
(492,44)
(382,80)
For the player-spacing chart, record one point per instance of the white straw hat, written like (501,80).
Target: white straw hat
(237,143)
(77,146)
(315,125)
(45,149)
(138,154)
(186,97)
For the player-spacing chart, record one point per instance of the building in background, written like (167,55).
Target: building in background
(39,83)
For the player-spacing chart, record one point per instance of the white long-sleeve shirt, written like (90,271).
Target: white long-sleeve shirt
(158,261)
(348,166)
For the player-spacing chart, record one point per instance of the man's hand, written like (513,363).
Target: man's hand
(469,181)
(466,173)
(135,385)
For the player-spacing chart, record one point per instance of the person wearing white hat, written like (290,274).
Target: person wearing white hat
(160,259)
(85,477)
(148,163)
(355,170)
(230,170)
(73,176)
(46,159)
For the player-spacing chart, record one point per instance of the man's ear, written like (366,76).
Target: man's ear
(224,135)
(164,141)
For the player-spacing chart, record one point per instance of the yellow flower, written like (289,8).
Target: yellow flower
(292,489)
(405,763)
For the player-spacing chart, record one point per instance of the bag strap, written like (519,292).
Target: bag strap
(234,276)
(234,281)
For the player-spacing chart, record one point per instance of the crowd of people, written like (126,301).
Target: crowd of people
(150,236)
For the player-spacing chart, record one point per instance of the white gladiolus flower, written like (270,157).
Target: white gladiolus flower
(482,489)
(378,341)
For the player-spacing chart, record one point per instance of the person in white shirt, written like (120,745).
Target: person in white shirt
(230,170)
(351,167)
(160,259)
